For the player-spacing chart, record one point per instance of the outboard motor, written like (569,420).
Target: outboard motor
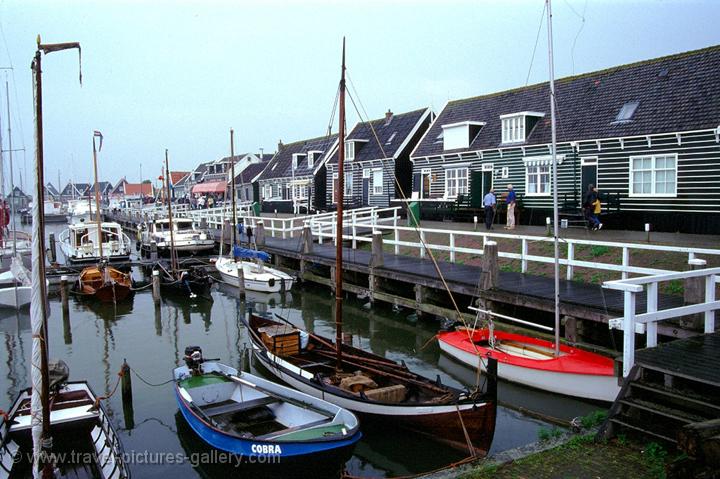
(193,359)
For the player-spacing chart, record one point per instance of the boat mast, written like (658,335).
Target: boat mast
(97,193)
(42,442)
(173,255)
(232,186)
(554,180)
(339,231)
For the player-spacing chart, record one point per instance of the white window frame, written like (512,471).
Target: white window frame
(653,173)
(348,184)
(454,191)
(349,150)
(267,192)
(377,190)
(513,129)
(505,172)
(366,172)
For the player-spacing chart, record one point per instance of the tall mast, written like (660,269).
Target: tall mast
(556,294)
(173,257)
(10,161)
(97,194)
(339,232)
(42,442)
(232,186)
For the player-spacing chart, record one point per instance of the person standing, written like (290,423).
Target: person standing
(590,203)
(489,202)
(510,200)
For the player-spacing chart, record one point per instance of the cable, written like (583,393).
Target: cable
(537,39)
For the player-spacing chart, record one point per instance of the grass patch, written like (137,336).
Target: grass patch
(655,457)
(593,419)
(675,287)
(545,434)
(598,250)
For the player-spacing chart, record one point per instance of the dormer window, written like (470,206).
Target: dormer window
(312,156)
(460,135)
(296,158)
(516,126)
(352,147)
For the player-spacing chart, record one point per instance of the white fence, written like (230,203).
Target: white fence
(632,323)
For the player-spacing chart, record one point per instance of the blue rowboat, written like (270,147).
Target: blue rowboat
(249,416)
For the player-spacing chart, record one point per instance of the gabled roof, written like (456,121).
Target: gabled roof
(18,193)
(281,164)
(119,187)
(103,186)
(392,135)
(176,176)
(250,172)
(136,189)
(80,189)
(675,93)
(51,190)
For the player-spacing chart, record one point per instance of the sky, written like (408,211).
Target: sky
(178,75)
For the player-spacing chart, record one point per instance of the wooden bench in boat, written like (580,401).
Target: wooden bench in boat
(232,406)
(299,427)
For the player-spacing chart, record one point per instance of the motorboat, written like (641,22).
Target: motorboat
(79,243)
(188,238)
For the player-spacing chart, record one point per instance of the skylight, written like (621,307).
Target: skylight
(392,137)
(626,112)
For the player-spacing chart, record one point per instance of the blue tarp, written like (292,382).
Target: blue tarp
(246,253)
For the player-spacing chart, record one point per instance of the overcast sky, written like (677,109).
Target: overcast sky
(178,75)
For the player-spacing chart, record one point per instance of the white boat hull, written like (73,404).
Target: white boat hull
(9,298)
(585,386)
(269,280)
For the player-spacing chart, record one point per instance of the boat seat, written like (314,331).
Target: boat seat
(299,427)
(233,406)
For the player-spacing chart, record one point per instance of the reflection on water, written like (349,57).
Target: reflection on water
(96,338)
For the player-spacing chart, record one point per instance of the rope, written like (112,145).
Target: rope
(452,465)
(147,382)
(108,396)
(141,287)
(465,432)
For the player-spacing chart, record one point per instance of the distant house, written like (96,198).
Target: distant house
(137,192)
(247,174)
(295,179)
(647,132)
(104,187)
(178,191)
(73,191)
(196,176)
(377,165)
(51,193)
(180,187)
(18,200)
(118,191)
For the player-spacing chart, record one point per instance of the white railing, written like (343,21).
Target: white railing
(632,322)
(447,240)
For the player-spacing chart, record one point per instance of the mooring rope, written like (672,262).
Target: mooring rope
(148,382)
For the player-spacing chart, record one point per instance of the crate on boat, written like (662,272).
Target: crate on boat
(281,340)
(389,394)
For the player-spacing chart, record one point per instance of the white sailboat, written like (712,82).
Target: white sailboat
(530,361)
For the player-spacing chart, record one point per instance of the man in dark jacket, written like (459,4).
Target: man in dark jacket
(589,200)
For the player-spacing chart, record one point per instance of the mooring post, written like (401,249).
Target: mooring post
(307,239)
(260,233)
(376,256)
(241,278)
(245,360)
(492,379)
(156,287)
(489,273)
(694,293)
(153,251)
(65,295)
(127,400)
(158,320)
(53,249)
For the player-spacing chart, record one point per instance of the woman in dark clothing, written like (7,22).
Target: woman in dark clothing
(591,197)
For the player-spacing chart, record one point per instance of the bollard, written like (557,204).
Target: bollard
(475,222)
(260,234)
(376,256)
(53,249)
(489,273)
(156,287)
(127,400)
(647,231)
(307,239)
(547,223)
(65,295)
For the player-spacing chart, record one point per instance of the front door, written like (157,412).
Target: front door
(589,173)
(476,189)
(425,192)
(365,191)
(487,180)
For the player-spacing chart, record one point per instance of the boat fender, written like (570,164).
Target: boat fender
(271,282)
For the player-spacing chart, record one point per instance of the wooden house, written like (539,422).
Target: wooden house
(295,179)
(647,133)
(74,191)
(377,159)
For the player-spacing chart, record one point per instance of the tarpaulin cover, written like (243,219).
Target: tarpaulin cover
(248,253)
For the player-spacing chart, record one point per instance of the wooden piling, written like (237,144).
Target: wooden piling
(127,399)
(260,233)
(156,287)
(65,295)
(53,249)
(376,257)
(694,293)
(489,274)
(307,239)
(241,278)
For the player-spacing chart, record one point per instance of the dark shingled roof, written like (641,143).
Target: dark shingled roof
(250,172)
(80,188)
(103,186)
(400,125)
(281,164)
(675,93)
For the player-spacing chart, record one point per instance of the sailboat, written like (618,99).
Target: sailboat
(537,363)
(192,282)
(102,281)
(90,446)
(256,276)
(367,383)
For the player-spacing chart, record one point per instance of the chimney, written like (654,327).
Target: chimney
(280,145)
(388,116)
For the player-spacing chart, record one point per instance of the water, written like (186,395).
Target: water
(98,337)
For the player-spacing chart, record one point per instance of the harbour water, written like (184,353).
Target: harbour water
(98,337)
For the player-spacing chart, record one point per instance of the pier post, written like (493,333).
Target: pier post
(694,293)
(153,251)
(53,249)
(241,278)
(158,320)
(260,233)
(156,287)
(376,256)
(332,280)
(65,295)
(127,400)
(571,328)
(489,274)
(373,285)
(307,239)
(245,361)
(420,296)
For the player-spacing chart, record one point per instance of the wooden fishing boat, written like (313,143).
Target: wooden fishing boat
(104,283)
(252,417)
(189,283)
(533,362)
(89,448)
(375,386)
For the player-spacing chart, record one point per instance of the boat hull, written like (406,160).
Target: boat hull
(598,387)
(440,422)
(109,286)
(270,281)
(10,299)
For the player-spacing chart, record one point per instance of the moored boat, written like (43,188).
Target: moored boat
(243,414)
(192,282)
(187,237)
(104,283)
(533,362)
(79,243)
(257,276)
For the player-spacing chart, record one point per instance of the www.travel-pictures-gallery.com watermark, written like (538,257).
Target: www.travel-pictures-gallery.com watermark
(213,457)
